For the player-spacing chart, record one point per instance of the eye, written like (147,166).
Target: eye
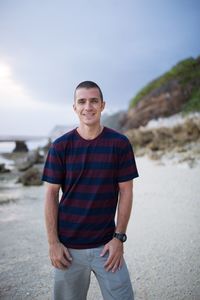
(81,101)
(95,100)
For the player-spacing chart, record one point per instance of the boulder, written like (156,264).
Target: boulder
(31,177)
(3,169)
(28,161)
(20,146)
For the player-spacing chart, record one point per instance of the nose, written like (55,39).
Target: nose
(88,105)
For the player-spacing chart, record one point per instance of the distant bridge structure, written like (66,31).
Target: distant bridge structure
(21,140)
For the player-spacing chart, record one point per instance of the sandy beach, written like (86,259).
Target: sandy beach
(162,250)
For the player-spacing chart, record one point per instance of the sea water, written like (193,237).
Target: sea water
(8,147)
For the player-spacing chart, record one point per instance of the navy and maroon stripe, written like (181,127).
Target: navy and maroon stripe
(89,172)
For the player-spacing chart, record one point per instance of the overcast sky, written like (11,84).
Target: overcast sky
(48,47)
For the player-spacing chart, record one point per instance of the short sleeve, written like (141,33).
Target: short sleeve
(54,170)
(127,169)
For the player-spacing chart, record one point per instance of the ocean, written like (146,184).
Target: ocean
(6,147)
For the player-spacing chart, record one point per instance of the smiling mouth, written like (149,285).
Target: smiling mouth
(88,115)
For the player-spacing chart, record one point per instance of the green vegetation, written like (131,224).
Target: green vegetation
(193,103)
(186,72)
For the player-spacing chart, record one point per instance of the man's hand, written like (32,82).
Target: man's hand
(115,257)
(59,256)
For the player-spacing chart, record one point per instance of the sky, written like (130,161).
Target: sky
(48,47)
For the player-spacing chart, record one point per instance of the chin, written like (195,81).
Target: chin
(91,122)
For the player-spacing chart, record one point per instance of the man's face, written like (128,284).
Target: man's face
(88,105)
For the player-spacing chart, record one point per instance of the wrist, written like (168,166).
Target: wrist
(122,237)
(54,242)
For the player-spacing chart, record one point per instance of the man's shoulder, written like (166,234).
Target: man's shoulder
(64,139)
(116,135)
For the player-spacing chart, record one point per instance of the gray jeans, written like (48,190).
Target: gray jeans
(73,283)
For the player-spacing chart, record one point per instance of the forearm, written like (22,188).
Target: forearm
(115,246)
(51,215)
(124,207)
(58,253)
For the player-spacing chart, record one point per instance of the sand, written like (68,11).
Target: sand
(162,250)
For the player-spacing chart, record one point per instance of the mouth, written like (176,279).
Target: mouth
(89,115)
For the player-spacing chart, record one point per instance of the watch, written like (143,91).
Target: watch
(120,236)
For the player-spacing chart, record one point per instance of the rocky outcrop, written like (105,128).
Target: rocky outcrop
(3,169)
(162,102)
(164,138)
(31,177)
(20,146)
(157,142)
(29,160)
(171,93)
(26,168)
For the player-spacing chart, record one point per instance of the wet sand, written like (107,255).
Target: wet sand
(162,251)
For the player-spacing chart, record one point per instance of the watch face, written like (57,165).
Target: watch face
(124,238)
(120,236)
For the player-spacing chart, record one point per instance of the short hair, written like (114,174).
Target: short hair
(89,85)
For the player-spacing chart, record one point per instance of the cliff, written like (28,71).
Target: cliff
(178,90)
(172,103)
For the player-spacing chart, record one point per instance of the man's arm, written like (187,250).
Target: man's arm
(58,253)
(124,205)
(115,247)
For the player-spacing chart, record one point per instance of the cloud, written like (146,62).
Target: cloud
(52,46)
(20,110)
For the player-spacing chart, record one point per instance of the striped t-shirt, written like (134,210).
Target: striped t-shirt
(89,172)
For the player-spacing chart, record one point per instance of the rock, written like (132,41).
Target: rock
(20,146)
(161,102)
(180,142)
(24,165)
(29,160)
(155,155)
(31,177)
(165,138)
(165,96)
(3,169)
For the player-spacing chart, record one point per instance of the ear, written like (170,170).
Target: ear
(74,107)
(103,105)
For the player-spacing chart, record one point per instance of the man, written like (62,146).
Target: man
(94,167)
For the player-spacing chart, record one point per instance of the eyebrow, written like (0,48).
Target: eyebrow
(94,98)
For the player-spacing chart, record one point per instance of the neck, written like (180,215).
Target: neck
(89,132)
